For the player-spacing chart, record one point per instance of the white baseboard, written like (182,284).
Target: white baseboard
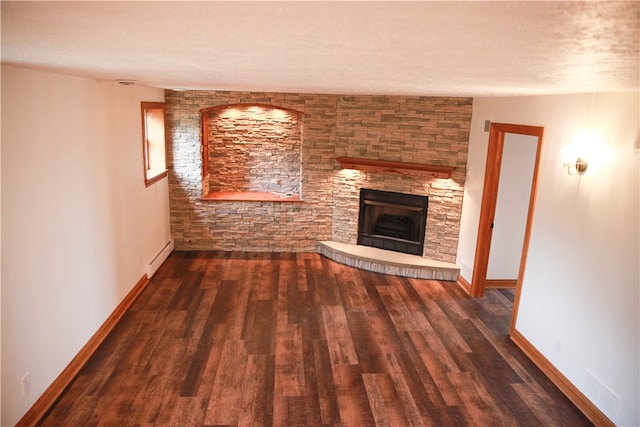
(156,262)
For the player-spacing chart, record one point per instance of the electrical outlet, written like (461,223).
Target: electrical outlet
(25,381)
(558,345)
(602,396)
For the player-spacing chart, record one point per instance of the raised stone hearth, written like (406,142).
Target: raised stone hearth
(388,262)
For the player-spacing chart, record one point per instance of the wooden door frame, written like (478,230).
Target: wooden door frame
(497,133)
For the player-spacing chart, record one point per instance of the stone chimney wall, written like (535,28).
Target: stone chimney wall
(431,130)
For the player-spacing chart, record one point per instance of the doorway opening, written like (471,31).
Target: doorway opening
(487,222)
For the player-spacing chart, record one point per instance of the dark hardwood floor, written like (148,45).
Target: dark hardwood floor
(220,338)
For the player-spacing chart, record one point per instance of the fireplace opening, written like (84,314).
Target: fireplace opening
(393,221)
(398,226)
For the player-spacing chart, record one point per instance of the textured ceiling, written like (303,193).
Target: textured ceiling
(424,48)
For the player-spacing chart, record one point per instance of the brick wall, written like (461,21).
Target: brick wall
(416,129)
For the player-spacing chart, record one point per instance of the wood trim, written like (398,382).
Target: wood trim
(398,168)
(204,148)
(462,282)
(149,182)
(249,196)
(152,105)
(487,210)
(145,105)
(500,283)
(51,394)
(565,386)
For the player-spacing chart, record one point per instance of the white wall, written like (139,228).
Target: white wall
(78,224)
(512,206)
(580,295)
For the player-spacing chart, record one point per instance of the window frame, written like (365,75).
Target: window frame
(147,165)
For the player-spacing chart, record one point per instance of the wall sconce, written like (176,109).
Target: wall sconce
(587,149)
(580,166)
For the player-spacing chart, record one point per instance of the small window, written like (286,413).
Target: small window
(155,161)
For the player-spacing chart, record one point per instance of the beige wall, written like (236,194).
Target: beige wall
(581,292)
(78,223)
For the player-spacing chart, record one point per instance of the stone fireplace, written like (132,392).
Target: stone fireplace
(392,221)
(401,129)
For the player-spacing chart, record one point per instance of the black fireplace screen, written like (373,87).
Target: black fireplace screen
(393,221)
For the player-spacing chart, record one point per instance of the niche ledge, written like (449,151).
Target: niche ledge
(398,168)
(249,196)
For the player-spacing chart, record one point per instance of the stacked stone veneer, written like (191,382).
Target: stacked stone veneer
(425,130)
(414,129)
(254,148)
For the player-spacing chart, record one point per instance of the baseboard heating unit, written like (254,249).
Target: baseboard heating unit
(156,262)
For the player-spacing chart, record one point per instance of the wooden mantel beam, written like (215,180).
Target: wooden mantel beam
(400,168)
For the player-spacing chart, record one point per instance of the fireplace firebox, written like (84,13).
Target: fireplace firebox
(393,221)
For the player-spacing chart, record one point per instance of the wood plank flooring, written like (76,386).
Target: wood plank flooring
(286,339)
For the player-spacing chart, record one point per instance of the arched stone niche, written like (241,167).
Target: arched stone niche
(251,152)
